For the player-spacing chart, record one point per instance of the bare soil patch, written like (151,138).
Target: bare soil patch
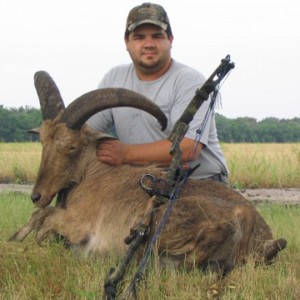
(8,187)
(287,195)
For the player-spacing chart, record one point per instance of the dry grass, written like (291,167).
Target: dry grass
(251,165)
(49,271)
(19,162)
(263,165)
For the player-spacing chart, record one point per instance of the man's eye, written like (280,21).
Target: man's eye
(138,37)
(158,36)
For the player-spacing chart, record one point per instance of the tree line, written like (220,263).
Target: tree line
(14,122)
(249,130)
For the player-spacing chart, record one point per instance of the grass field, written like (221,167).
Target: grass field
(49,271)
(263,165)
(250,165)
(19,162)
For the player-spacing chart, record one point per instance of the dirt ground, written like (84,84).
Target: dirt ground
(287,196)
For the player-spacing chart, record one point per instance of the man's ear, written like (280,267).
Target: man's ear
(126,42)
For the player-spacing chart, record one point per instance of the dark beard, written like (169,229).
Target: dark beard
(149,67)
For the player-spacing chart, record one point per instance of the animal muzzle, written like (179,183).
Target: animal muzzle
(41,200)
(35,197)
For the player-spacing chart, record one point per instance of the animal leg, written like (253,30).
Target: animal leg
(199,247)
(244,219)
(64,224)
(217,243)
(34,223)
(271,248)
(234,249)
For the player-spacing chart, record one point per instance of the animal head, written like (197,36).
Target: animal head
(64,136)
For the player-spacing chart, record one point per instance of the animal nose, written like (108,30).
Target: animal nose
(35,197)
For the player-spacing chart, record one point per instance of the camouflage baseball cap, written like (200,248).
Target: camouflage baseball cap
(147,13)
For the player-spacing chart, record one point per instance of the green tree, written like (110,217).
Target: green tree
(14,122)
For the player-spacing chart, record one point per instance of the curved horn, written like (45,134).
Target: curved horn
(49,95)
(90,103)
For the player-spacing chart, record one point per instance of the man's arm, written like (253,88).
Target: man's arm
(114,152)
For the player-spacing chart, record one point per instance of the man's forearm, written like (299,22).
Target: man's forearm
(158,152)
(114,152)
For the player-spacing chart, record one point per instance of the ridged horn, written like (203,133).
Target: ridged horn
(81,109)
(50,99)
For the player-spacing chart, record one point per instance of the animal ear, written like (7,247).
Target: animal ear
(89,134)
(34,130)
(101,136)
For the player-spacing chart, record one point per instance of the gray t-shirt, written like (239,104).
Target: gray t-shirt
(172,93)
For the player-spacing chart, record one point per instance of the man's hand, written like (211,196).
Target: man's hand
(111,151)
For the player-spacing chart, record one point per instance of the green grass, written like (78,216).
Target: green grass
(49,271)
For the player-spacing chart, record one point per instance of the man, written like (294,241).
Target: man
(171,85)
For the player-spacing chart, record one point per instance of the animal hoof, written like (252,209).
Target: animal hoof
(273,247)
(14,237)
(281,243)
(42,235)
(20,235)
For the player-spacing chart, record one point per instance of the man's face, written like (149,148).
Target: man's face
(149,48)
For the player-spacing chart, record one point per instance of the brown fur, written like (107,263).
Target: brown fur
(211,225)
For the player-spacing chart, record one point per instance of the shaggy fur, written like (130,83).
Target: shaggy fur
(211,225)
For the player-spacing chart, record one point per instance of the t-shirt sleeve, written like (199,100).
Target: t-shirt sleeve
(102,120)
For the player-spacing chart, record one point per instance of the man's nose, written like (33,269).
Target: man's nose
(149,42)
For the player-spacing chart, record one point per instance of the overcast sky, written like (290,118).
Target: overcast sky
(77,42)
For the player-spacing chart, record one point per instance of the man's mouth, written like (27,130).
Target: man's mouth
(149,53)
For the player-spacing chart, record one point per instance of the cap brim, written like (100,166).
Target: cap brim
(133,26)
